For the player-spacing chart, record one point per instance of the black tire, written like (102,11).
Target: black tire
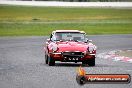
(51,61)
(84,62)
(89,62)
(46,59)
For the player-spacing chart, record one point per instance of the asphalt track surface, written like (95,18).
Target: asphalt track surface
(22,63)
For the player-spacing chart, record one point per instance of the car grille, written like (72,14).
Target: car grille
(73,54)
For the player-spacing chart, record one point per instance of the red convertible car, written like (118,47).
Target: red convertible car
(69,46)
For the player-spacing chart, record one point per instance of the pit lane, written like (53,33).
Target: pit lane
(22,63)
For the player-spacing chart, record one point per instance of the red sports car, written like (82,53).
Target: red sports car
(69,46)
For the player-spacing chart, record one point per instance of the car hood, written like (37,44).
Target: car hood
(72,46)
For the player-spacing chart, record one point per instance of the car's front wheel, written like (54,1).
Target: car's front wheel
(46,59)
(91,62)
(51,61)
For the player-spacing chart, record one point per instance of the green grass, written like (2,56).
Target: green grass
(22,20)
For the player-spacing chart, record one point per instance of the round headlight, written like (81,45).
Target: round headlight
(54,47)
(91,48)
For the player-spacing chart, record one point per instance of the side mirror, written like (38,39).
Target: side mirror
(89,40)
(48,40)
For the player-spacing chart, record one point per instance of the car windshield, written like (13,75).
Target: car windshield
(66,36)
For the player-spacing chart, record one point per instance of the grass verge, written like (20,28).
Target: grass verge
(40,21)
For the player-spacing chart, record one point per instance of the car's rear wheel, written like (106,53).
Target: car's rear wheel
(90,62)
(51,61)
